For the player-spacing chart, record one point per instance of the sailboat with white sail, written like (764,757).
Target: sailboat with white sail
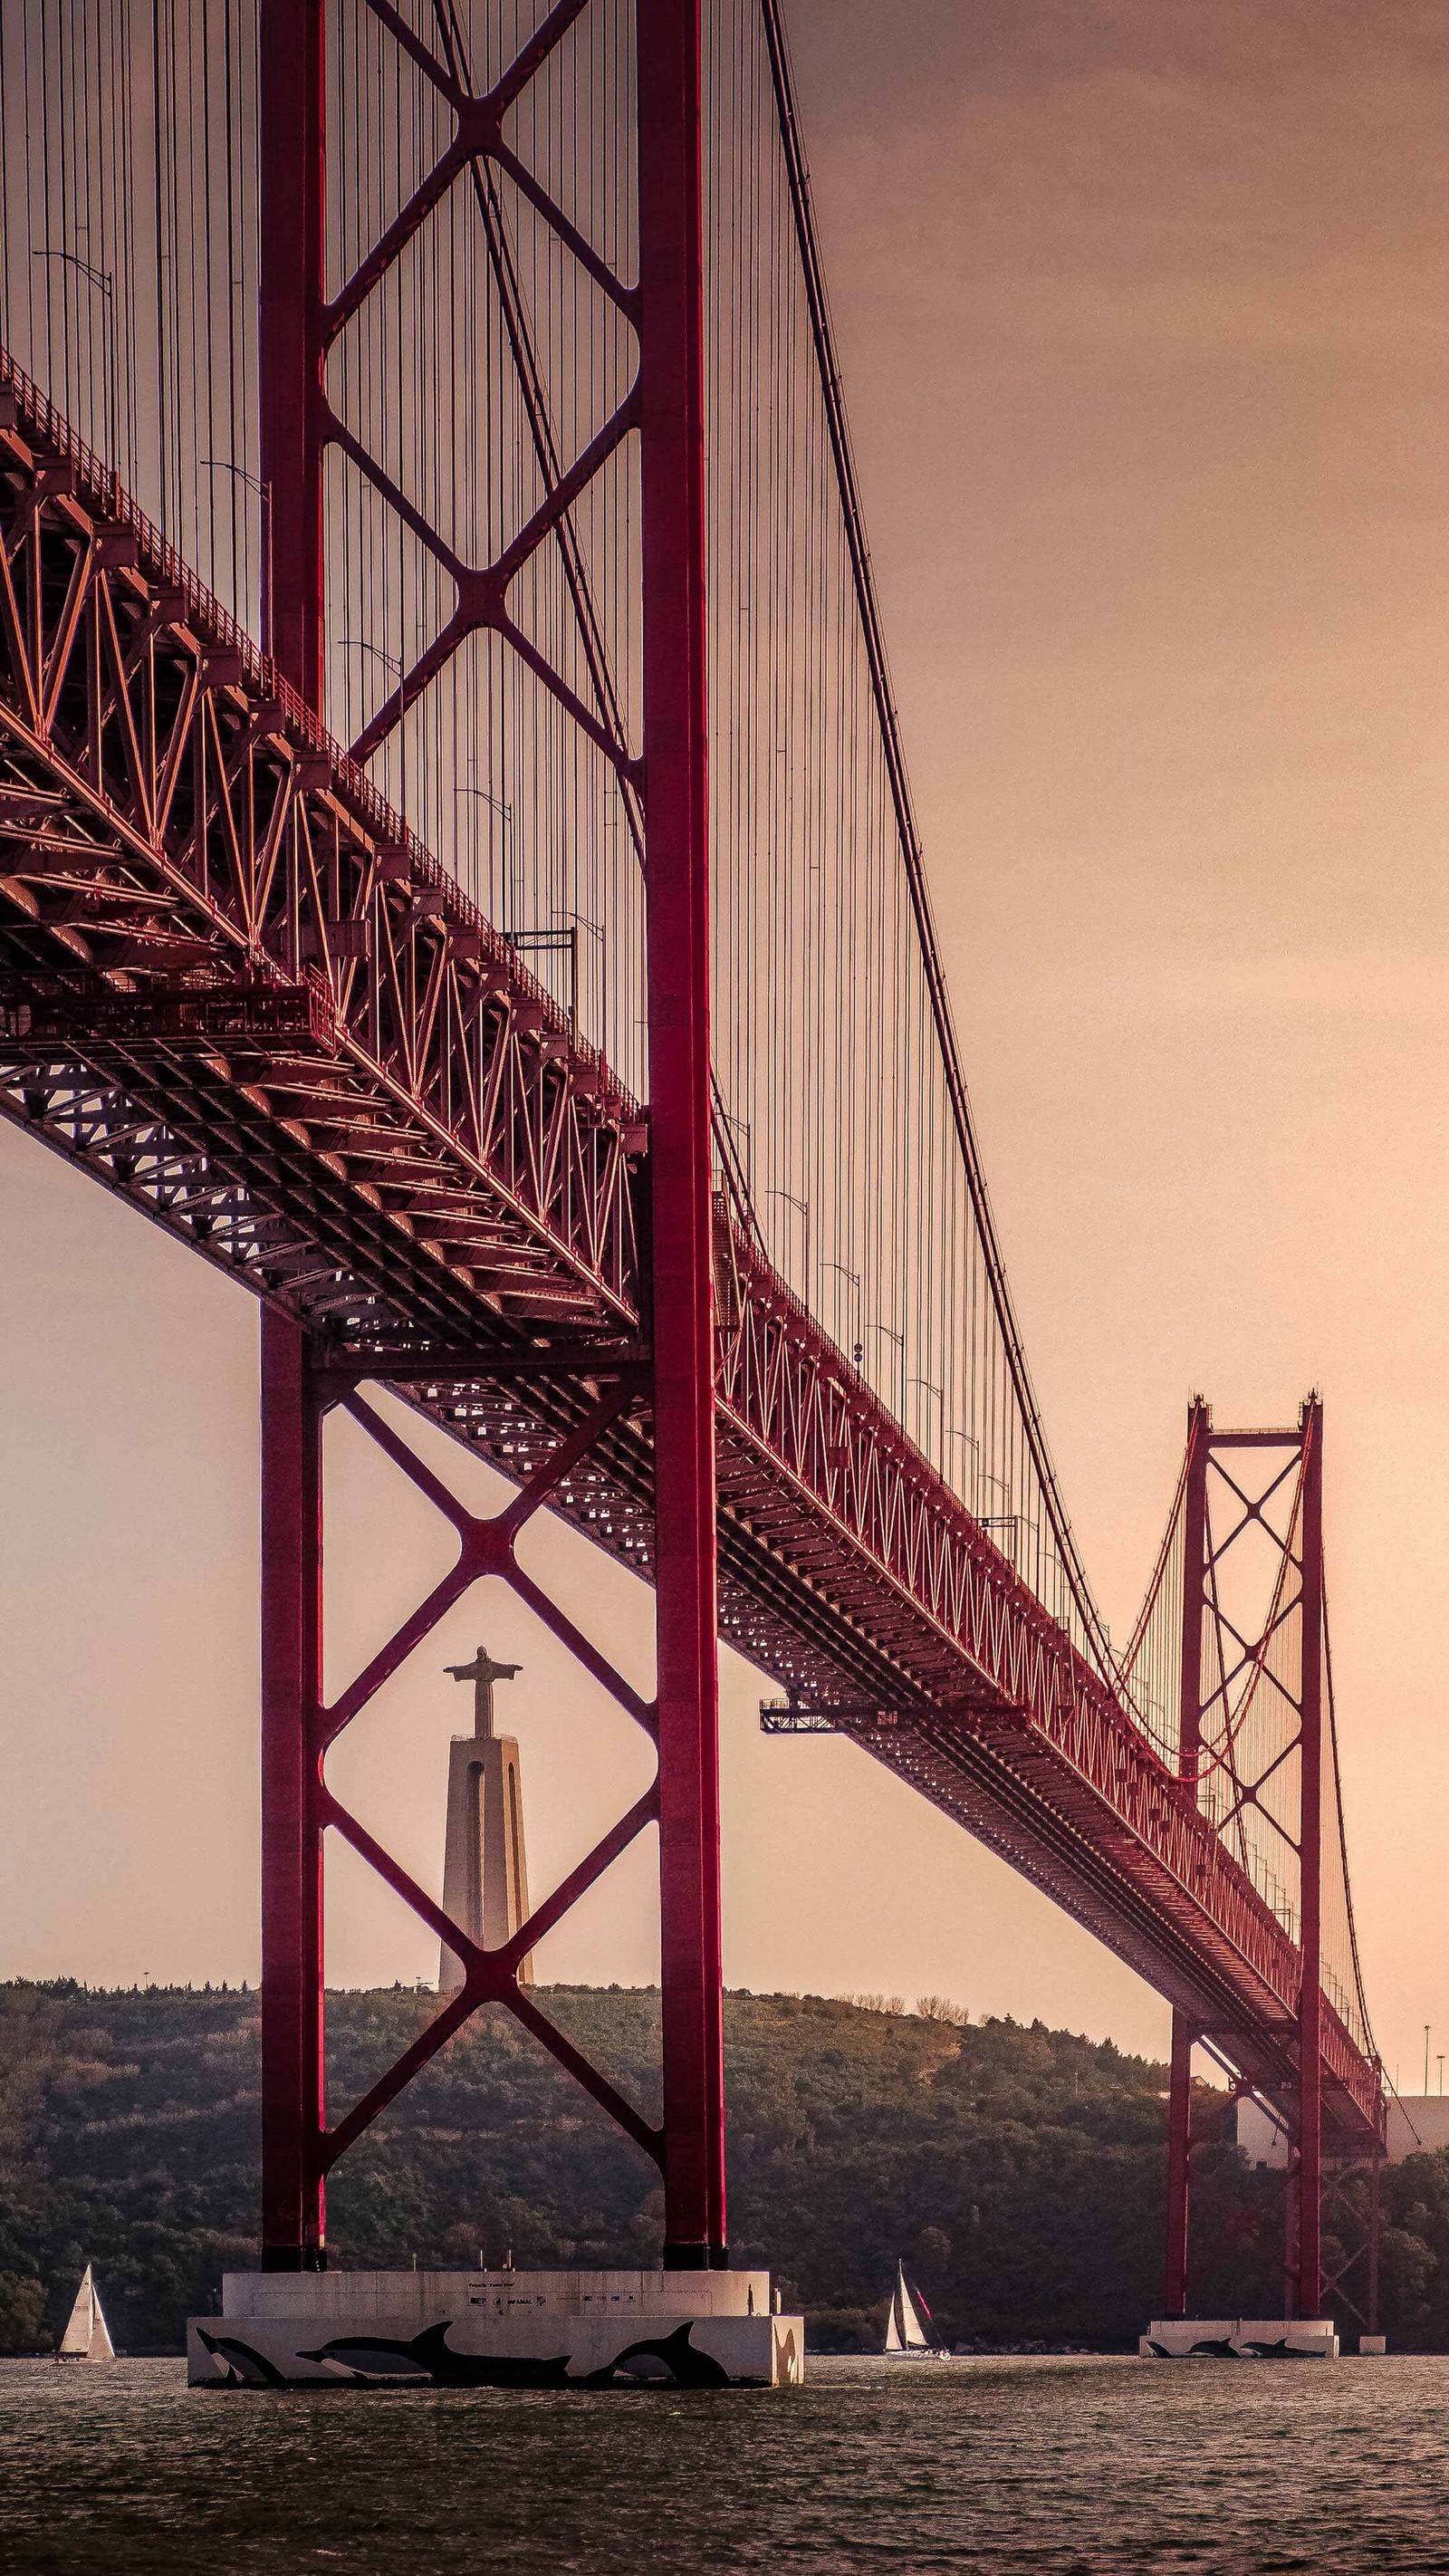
(87,2336)
(907,2338)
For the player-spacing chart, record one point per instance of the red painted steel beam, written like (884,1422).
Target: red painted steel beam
(293,2228)
(1310,1844)
(292,136)
(671,413)
(1189,1749)
(1194,1596)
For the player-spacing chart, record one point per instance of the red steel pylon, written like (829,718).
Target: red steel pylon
(1211,1650)
(678,1360)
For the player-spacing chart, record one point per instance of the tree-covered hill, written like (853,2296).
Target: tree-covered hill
(1019,2171)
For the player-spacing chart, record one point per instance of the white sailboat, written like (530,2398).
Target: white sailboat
(906,2338)
(87,2336)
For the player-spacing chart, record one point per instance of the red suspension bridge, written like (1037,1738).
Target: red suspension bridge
(458,875)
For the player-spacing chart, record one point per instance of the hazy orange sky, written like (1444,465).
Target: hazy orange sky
(1142,308)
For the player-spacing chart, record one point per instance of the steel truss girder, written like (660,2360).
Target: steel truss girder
(214,836)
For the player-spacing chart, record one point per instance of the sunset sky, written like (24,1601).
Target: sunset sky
(1142,307)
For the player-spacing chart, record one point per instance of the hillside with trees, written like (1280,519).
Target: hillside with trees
(1018,2170)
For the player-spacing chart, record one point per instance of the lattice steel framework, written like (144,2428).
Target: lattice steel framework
(302,319)
(1239,1602)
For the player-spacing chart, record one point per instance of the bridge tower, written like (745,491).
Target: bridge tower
(672,1374)
(1230,1480)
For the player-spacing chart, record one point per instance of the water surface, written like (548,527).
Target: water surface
(1052,2465)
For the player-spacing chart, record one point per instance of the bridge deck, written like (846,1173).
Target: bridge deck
(236,990)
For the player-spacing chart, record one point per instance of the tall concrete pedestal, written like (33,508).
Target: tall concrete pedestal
(485,1865)
(496,2330)
(1240,2339)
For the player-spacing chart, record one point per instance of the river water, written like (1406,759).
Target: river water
(1048,2465)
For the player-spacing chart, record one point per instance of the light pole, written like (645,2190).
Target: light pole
(498,806)
(105,285)
(390,662)
(263,490)
(973,1446)
(743,1151)
(939,1393)
(803,1207)
(578,921)
(854,1278)
(900,1342)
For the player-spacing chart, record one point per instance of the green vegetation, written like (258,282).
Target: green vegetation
(1019,2171)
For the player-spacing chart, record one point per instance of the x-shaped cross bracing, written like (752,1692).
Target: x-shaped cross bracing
(478,150)
(486,1546)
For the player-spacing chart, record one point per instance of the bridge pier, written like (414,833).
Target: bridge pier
(555,2330)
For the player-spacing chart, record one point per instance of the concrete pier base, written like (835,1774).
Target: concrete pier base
(496,2330)
(1240,2339)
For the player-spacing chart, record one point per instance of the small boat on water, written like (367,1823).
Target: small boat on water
(906,2338)
(87,2337)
